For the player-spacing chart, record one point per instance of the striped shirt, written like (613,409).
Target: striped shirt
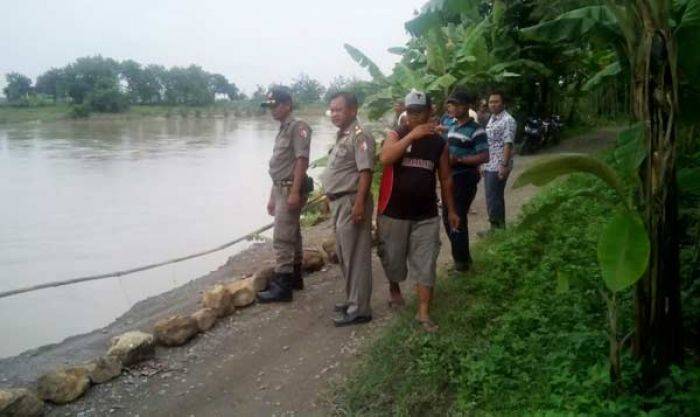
(466,139)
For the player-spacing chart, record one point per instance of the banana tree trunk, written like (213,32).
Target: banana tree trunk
(657,297)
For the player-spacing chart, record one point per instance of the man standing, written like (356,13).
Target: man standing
(290,159)
(468,148)
(501,130)
(346,182)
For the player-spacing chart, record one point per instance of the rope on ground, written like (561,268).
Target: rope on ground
(150,266)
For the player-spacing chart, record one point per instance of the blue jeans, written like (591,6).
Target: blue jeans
(464,192)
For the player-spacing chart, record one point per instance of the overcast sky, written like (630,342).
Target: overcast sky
(250,42)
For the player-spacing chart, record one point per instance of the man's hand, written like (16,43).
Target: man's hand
(421,131)
(453,220)
(454,160)
(358,212)
(503,172)
(294,201)
(271,206)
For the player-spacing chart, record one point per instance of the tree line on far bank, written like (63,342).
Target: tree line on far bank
(99,84)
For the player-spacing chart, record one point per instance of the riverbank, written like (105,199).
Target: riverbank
(12,115)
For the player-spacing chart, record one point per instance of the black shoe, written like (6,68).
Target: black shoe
(340,308)
(278,290)
(297,279)
(350,319)
(462,266)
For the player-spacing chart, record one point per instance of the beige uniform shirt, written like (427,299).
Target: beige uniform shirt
(352,153)
(293,141)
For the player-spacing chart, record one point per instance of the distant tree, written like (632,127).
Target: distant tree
(107,99)
(221,85)
(306,89)
(87,73)
(189,86)
(18,86)
(259,93)
(52,83)
(153,87)
(133,74)
(360,88)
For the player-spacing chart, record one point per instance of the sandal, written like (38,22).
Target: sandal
(428,325)
(396,304)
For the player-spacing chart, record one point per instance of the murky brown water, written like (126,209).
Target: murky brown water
(81,198)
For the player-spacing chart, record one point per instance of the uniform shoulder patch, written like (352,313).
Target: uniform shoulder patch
(303,130)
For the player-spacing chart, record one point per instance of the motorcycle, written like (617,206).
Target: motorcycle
(539,133)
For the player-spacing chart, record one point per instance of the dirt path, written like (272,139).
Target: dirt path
(266,360)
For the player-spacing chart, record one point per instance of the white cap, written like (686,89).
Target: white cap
(416,98)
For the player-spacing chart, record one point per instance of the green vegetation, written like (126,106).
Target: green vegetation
(619,58)
(104,85)
(524,333)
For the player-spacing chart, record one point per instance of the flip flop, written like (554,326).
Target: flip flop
(428,325)
(396,304)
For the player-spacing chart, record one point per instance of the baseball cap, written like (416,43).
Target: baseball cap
(460,97)
(277,96)
(417,100)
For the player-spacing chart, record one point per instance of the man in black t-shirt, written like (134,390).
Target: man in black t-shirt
(408,224)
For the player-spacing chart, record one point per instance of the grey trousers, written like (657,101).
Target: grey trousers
(354,247)
(286,235)
(495,199)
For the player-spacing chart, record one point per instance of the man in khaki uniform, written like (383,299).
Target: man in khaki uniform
(346,182)
(288,165)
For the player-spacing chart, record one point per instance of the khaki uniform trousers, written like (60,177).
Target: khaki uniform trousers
(286,235)
(354,247)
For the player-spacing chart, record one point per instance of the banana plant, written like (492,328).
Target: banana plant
(623,246)
(655,41)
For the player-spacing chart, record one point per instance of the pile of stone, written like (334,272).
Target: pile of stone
(65,385)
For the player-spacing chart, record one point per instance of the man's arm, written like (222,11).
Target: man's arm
(471,160)
(363,187)
(271,202)
(447,189)
(301,141)
(300,166)
(394,148)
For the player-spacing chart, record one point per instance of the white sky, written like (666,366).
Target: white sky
(250,42)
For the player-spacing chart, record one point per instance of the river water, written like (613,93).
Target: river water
(89,197)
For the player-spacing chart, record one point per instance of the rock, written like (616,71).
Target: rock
(103,369)
(329,247)
(20,402)
(219,300)
(62,386)
(132,347)
(262,277)
(205,318)
(175,330)
(313,260)
(242,292)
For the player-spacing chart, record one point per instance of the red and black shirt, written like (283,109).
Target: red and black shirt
(407,189)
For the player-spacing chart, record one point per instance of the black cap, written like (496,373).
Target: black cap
(460,97)
(277,96)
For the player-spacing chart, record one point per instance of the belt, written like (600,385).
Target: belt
(335,196)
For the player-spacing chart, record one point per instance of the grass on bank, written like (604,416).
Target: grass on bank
(523,334)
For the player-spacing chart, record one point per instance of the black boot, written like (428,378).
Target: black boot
(279,289)
(297,279)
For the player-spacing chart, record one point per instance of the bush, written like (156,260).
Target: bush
(107,100)
(79,111)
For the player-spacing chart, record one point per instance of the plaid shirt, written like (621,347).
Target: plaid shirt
(500,130)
